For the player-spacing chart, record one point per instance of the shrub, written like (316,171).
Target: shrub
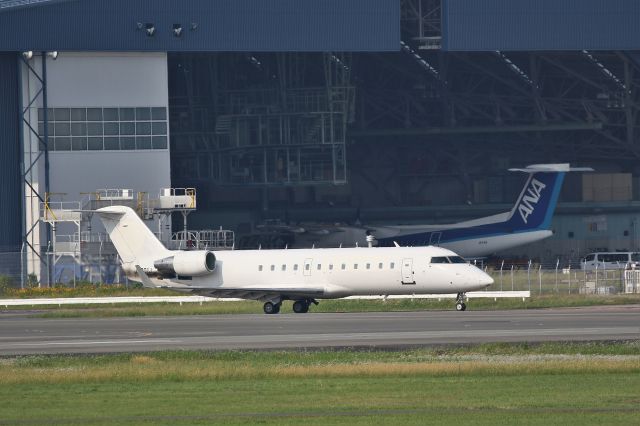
(32,281)
(5,284)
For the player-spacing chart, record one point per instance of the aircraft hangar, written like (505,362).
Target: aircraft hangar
(378,111)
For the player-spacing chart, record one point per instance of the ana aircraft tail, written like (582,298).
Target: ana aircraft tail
(133,240)
(539,197)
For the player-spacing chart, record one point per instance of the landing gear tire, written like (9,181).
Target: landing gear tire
(271,308)
(460,306)
(300,307)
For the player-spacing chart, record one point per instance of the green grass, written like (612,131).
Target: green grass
(580,384)
(82,289)
(252,307)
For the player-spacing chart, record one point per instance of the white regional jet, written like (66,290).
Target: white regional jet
(300,275)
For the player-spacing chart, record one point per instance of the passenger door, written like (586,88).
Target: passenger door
(306,269)
(407,271)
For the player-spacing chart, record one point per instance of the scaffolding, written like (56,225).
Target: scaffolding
(208,239)
(292,134)
(74,242)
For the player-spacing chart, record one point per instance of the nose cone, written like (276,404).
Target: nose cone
(477,279)
(484,279)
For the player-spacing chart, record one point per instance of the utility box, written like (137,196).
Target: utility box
(177,198)
(115,194)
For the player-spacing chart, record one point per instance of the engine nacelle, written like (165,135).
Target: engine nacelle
(187,263)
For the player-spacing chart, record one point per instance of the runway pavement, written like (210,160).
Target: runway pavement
(20,334)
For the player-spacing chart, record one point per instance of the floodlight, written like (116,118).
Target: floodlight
(27,55)
(177,30)
(151,29)
(53,55)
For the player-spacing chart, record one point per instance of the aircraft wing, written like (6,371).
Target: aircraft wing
(263,294)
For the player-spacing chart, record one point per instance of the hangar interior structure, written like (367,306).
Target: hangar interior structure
(378,111)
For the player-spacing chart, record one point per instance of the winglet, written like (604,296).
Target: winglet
(146,281)
(395,243)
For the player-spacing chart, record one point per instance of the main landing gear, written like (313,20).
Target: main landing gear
(271,308)
(460,306)
(299,306)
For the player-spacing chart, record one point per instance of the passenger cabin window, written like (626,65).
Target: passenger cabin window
(368,266)
(284,267)
(307,266)
(319,266)
(392,265)
(380,265)
(273,267)
(344,266)
(295,267)
(331,266)
(259,268)
(355,266)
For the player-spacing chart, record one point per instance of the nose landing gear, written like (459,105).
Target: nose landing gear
(460,306)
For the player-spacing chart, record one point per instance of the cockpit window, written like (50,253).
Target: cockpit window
(439,259)
(456,259)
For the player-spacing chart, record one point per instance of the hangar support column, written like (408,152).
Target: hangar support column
(35,149)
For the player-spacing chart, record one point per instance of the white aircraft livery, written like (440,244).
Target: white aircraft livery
(300,275)
(527,222)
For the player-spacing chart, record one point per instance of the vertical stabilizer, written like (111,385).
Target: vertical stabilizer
(133,240)
(539,197)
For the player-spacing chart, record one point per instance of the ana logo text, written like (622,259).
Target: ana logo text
(531,197)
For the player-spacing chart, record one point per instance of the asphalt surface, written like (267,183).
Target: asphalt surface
(20,334)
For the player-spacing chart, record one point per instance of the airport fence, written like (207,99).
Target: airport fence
(558,277)
(23,270)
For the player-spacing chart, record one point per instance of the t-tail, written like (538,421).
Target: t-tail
(133,240)
(537,201)
(144,256)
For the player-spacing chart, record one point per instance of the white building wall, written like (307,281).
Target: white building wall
(109,80)
(84,172)
(97,80)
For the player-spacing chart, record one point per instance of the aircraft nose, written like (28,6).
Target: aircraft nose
(484,279)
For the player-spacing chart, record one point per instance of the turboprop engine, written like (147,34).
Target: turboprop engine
(187,263)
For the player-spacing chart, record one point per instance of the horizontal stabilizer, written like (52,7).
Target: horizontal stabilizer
(146,281)
(551,168)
